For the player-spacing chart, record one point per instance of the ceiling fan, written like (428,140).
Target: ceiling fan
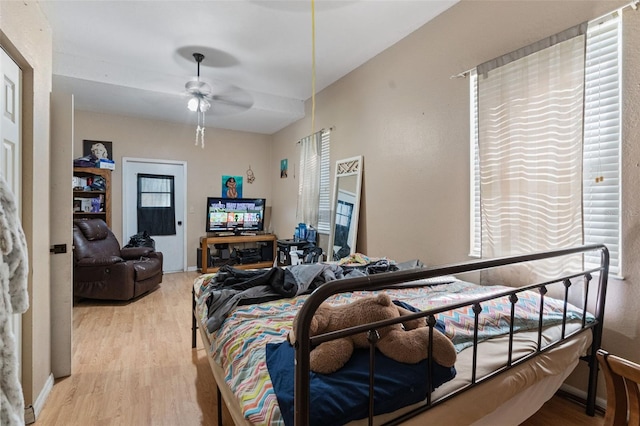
(226,99)
(199,90)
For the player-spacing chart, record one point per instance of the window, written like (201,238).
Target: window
(156,204)
(314,201)
(600,149)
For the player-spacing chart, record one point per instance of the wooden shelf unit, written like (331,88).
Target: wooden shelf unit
(105,214)
(205,241)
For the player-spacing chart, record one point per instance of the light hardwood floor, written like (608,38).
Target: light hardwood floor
(561,411)
(133,365)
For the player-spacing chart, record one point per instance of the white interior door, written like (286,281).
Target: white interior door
(173,247)
(11,152)
(61,232)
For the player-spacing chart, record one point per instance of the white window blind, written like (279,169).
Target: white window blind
(601,175)
(324,216)
(474,249)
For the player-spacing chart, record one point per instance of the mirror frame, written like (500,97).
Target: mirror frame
(346,167)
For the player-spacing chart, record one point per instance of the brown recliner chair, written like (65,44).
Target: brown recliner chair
(102,270)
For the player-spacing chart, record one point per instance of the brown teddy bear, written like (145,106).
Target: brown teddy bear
(406,342)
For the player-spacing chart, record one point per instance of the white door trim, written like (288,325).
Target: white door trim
(126,162)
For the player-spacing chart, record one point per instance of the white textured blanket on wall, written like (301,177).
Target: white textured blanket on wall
(13,300)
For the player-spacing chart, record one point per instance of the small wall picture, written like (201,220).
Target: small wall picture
(97,149)
(284,168)
(231,186)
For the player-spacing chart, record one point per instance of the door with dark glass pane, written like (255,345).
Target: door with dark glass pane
(153,200)
(156,204)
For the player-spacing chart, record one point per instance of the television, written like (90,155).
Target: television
(235,214)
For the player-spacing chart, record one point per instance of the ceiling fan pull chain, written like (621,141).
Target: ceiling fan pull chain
(197,129)
(202,137)
(200,128)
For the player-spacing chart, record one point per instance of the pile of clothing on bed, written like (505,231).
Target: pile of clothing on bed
(231,287)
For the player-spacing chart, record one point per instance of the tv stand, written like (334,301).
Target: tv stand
(206,240)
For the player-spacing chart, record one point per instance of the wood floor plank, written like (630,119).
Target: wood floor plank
(133,365)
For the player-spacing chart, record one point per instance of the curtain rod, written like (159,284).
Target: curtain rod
(633,5)
(323,130)
(463,74)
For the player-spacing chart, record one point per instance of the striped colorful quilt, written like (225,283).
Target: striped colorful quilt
(239,345)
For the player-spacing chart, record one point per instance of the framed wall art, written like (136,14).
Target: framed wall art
(231,186)
(97,149)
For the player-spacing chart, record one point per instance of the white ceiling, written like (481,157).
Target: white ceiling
(134,57)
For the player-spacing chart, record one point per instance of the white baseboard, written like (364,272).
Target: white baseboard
(38,405)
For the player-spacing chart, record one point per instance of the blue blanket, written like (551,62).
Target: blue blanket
(343,396)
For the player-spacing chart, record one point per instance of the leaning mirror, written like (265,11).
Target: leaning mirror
(345,207)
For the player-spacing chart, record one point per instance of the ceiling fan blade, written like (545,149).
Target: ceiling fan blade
(243,102)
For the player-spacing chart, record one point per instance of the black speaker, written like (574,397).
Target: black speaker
(199,258)
(266,251)
(224,253)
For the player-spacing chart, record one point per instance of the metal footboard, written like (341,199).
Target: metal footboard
(382,281)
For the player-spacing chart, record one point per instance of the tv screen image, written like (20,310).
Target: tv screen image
(235,214)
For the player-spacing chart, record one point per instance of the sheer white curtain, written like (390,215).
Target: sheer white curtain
(530,114)
(309,183)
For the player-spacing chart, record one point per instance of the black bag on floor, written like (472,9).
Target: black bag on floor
(141,239)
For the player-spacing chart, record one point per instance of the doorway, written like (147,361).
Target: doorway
(156,185)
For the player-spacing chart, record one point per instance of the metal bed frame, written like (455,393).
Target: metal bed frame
(393,279)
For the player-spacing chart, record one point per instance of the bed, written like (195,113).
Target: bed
(515,348)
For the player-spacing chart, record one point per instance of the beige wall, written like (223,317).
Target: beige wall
(226,153)
(410,120)
(25,34)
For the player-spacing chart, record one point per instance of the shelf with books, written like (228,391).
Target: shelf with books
(92,193)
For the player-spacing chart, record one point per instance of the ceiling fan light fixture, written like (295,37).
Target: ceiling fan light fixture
(193,104)
(204,105)
(198,104)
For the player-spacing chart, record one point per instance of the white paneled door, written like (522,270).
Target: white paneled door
(10,151)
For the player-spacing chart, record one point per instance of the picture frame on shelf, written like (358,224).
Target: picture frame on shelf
(97,149)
